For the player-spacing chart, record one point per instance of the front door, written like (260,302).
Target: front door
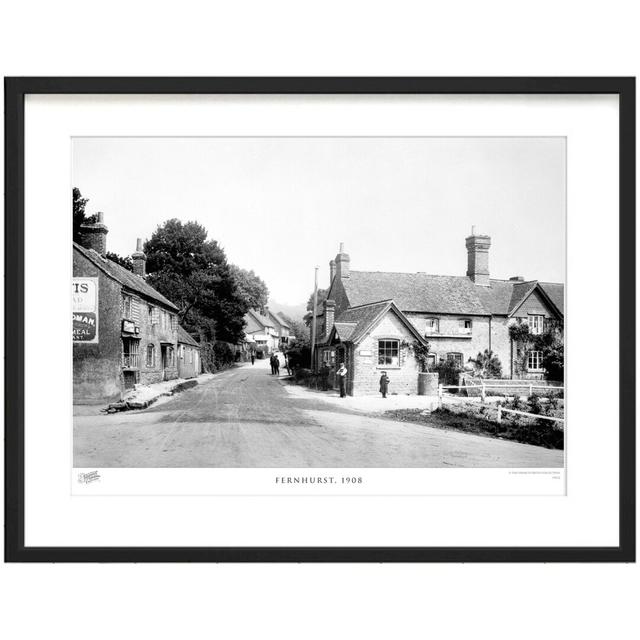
(163,361)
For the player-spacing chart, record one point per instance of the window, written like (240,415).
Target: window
(464,326)
(130,356)
(328,356)
(170,357)
(126,307)
(151,311)
(388,353)
(431,361)
(534,361)
(190,356)
(173,322)
(433,325)
(151,355)
(456,357)
(536,324)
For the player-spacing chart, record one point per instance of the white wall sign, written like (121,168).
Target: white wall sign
(85,309)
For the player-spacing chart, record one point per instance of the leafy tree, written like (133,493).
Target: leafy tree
(125,262)
(252,288)
(79,216)
(194,274)
(299,350)
(322,296)
(300,331)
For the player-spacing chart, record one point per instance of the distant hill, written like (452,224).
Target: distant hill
(293,312)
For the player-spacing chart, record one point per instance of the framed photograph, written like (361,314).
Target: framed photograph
(320,319)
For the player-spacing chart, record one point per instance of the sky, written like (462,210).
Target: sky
(282,206)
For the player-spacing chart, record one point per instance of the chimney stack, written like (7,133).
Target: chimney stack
(342,263)
(329,316)
(478,258)
(332,271)
(93,235)
(139,260)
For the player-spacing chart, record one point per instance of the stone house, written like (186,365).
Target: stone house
(133,335)
(262,330)
(281,326)
(372,320)
(189,361)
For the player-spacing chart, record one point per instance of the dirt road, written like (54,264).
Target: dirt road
(244,417)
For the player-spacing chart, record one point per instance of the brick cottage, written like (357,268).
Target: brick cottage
(133,330)
(370,320)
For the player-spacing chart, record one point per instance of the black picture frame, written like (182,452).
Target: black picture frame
(15,91)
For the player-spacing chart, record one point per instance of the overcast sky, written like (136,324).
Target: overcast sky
(281,206)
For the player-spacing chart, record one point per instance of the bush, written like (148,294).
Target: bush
(448,371)
(299,357)
(223,355)
(487,365)
(535,406)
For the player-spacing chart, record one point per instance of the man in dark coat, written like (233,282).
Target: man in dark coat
(276,364)
(273,364)
(384,384)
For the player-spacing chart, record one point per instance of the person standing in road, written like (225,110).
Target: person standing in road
(253,358)
(276,364)
(384,384)
(273,364)
(342,375)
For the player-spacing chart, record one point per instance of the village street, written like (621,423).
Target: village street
(245,417)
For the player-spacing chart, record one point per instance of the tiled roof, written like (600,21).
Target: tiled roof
(263,320)
(279,319)
(125,277)
(357,321)
(344,330)
(415,291)
(443,294)
(555,292)
(282,319)
(185,338)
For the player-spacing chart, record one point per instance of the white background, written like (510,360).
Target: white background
(332,38)
(55,518)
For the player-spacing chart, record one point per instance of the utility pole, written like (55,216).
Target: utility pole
(313,321)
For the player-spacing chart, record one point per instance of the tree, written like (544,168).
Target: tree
(125,262)
(194,274)
(322,296)
(79,216)
(251,287)
(301,332)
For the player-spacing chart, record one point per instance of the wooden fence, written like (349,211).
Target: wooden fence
(500,408)
(503,384)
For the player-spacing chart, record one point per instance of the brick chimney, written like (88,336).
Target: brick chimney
(478,258)
(342,263)
(329,316)
(332,271)
(139,260)
(93,235)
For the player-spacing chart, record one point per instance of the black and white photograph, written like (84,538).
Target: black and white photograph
(319,302)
